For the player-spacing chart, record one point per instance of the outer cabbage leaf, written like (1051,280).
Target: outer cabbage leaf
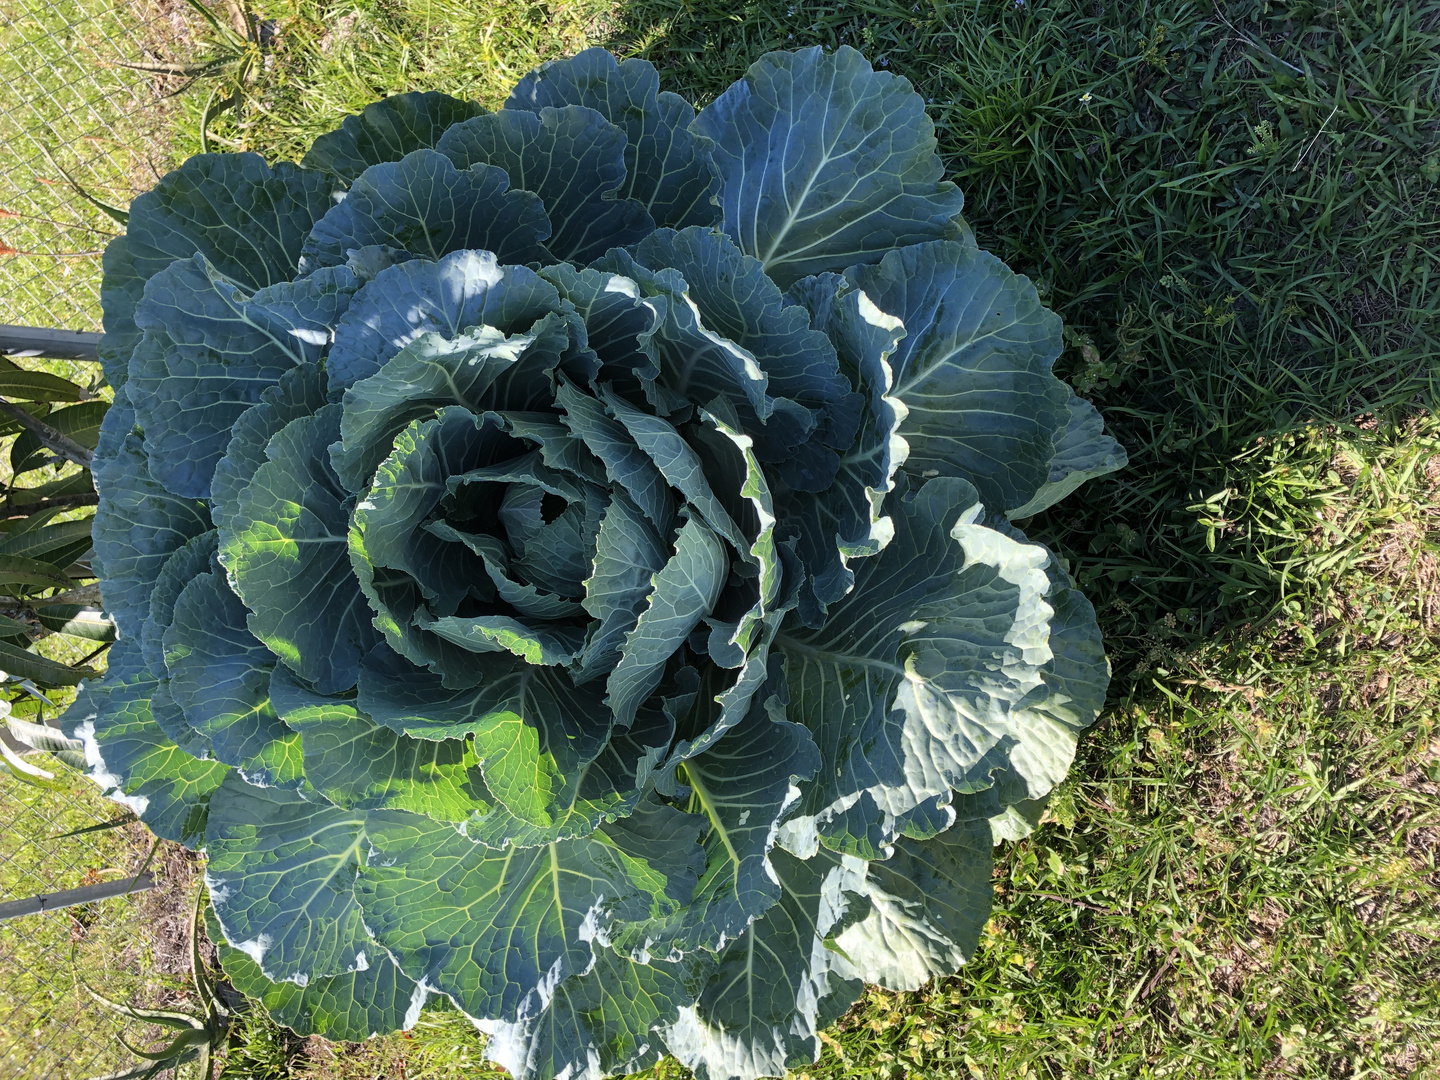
(493,929)
(423,204)
(138,523)
(220,677)
(387,130)
(974,372)
(131,758)
(349,1008)
(826,163)
(602,1023)
(211,350)
(960,651)
(573,158)
(668,166)
(776,985)
(359,765)
(281,870)
(247,218)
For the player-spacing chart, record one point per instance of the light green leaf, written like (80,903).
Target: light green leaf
(281,872)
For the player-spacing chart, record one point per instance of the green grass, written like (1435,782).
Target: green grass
(1235,212)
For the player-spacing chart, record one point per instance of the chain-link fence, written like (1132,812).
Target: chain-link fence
(73,113)
(70,105)
(130,948)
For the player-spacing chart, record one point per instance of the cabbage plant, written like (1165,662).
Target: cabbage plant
(563,562)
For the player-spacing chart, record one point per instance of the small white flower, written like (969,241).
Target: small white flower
(1085,98)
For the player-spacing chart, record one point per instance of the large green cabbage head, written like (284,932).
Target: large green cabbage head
(563,566)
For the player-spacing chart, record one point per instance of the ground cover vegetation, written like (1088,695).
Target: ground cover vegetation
(1230,211)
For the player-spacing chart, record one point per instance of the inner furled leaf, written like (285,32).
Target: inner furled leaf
(220,677)
(846,520)
(527,600)
(974,372)
(683,592)
(929,902)
(573,158)
(625,463)
(131,758)
(680,465)
(464,289)
(423,204)
(777,985)
(689,362)
(743,785)
(359,765)
(945,663)
(286,547)
(211,349)
(350,1007)
(138,522)
(826,163)
(281,873)
(604,1022)
(480,368)
(737,300)
(628,554)
(619,321)
(492,929)
(387,130)
(190,560)
(300,392)
(668,166)
(249,219)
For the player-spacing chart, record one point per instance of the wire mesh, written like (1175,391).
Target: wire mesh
(50,1026)
(65,91)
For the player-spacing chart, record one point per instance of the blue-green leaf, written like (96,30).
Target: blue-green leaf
(777,985)
(246,217)
(281,872)
(423,204)
(138,523)
(492,928)
(387,130)
(668,167)
(220,676)
(846,521)
(736,299)
(573,158)
(211,349)
(602,1023)
(300,392)
(464,289)
(684,591)
(189,561)
(826,163)
(974,372)
(286,547)
(959,652)
(359,765)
